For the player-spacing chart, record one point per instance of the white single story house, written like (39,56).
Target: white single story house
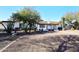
(42,25)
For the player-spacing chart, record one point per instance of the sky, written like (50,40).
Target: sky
(47,13)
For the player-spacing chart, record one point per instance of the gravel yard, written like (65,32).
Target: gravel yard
(62,41)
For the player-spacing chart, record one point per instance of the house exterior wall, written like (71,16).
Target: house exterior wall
(16,25)
(45,28)
(1,27)
(41,28)
(48,27)
(55,27)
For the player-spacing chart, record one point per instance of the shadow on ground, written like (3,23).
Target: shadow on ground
(31,42)
(8,37)
(64,43)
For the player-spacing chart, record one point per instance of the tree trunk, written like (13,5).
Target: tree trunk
(63,23)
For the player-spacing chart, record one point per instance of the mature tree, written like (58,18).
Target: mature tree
(71,18)
(77,16)
(28,16)
(77,20)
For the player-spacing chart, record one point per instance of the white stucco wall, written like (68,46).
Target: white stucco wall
(39,28)
(47,27)
(1,27)
(16,25)
(50,27)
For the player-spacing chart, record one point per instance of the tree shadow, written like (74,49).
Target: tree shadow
(11,37)
(64,46)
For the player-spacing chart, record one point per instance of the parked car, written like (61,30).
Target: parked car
(59,28)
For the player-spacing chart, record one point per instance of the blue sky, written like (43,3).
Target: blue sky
(48,13)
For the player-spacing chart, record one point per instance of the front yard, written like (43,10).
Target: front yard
(61,41)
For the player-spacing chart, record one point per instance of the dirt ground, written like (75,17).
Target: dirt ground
(61,41)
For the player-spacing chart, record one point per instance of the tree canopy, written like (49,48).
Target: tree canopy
(27,16)
(70,18)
